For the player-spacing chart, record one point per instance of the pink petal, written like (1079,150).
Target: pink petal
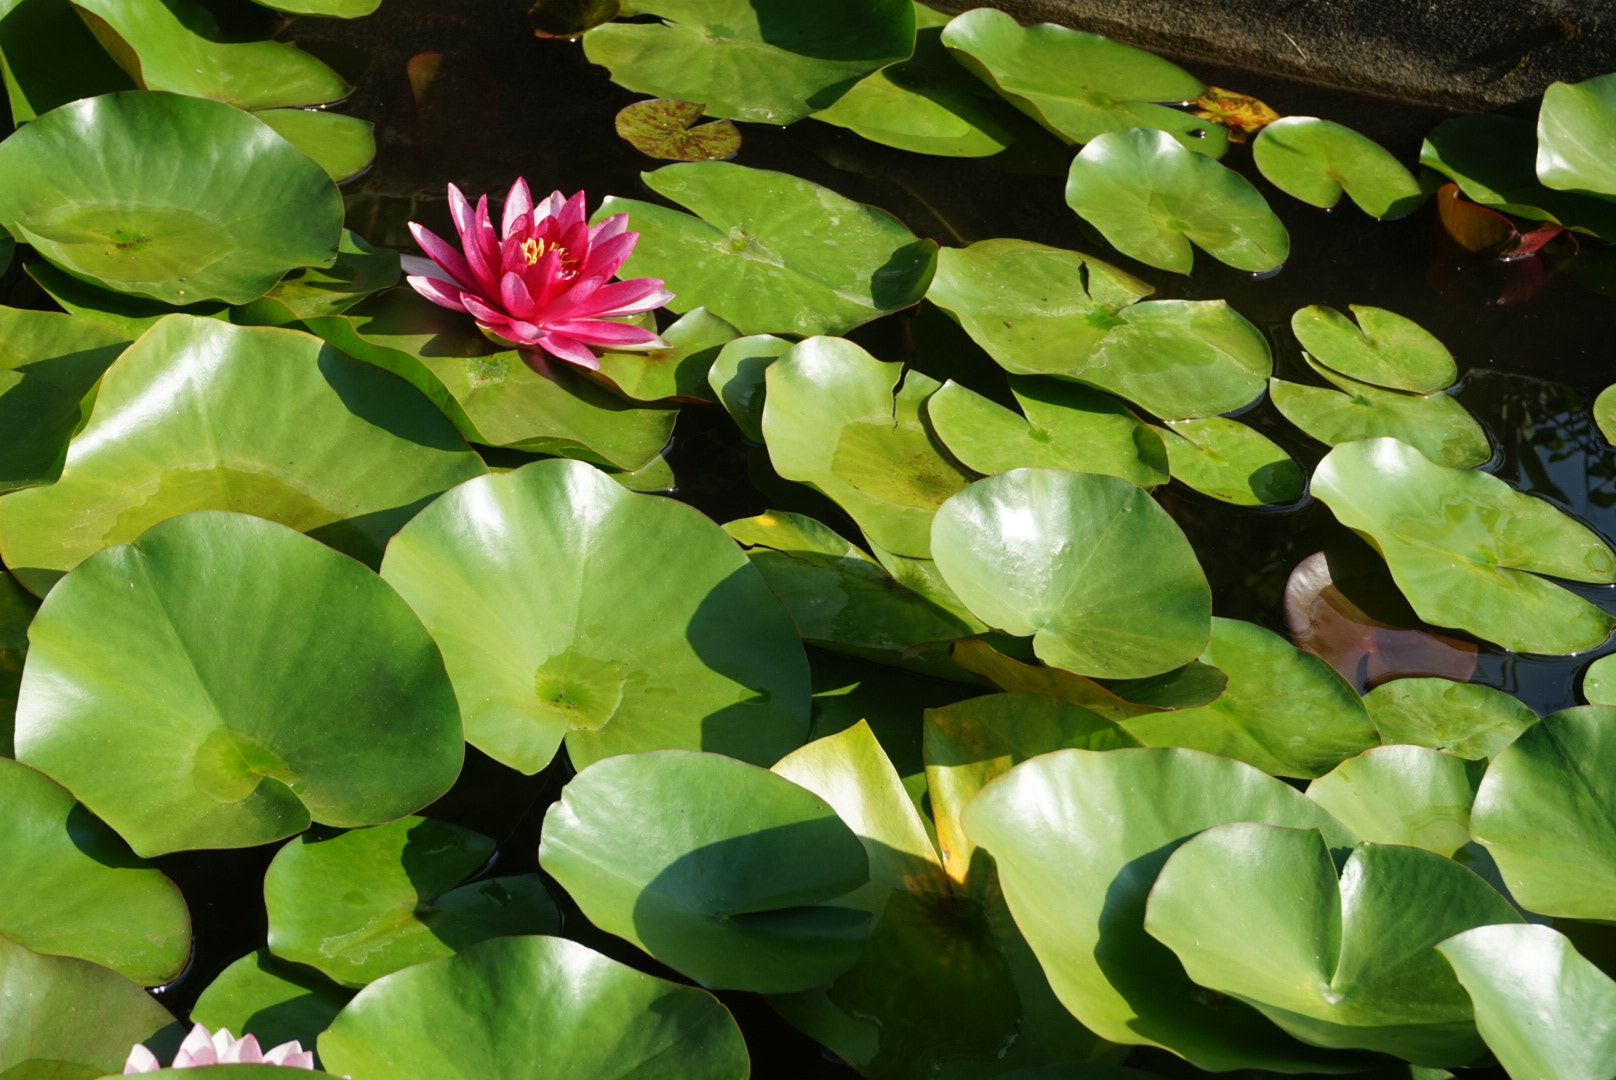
(614,334)
(517,204)
(571,350)
(460,211)
(441,253)
(290,1054)
(616,225)
(513,293)
(487,247)
(629,297)
(244,1051)
(573,214)
(197,1049)
(547,279)
(437,292)
(141,1060)
(551,206)
(482,312)
(607,256)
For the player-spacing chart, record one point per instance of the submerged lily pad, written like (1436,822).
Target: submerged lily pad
(769,61)
(565,1010)
(835,417)
(91,186)
(273,1000)
(1058,555)
(1080,85)
(1227,460)
(1039,310)
(1384,348)
(202,415)
(275,682)
(662,128)
(1151,198)
(1316,160)
(613,652)
(723,871)
(1466,550)
(772,253)
(1575,129)
(1468,720)
(343,145)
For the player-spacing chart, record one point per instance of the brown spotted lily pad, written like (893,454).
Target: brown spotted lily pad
(1242,114)
(661,128)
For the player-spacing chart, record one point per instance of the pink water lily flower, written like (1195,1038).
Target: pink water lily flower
(200,1048)
(543,281)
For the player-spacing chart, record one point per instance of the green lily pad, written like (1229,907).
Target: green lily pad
(77,870)
(1543,1009)
(1465,549)
(661,128)
(1151,198)
(678,372)
(1013,676)
(334,9)
(368,902)
(569,18)
(835,417)
(1065,426)
(128,316)
(1406,795)
(719,869)
(1058,555)
(271,999)
(1384,348)
(51,58)
(1285,711)
(16,612)
(1080,85)
(1316,160)
(1079,837)
(1040,310)
(768,61)
(1575,128)
(1434,424)
(1467,720)
(91,186)
(343,145)
(254,420)
(178,46)
(611,651)
(737,378)
(1231,462)
(1546,810)
(67,1019)
(1605,413)
(360,270)
(1599,682)
(1258,913)
(489,393)
(755,253)
(275,681)
(564,1011)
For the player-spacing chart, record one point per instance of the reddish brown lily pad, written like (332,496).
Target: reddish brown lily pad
(661,128)
(569,18)
(1241,113)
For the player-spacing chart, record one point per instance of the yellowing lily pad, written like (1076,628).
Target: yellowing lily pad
(666,128)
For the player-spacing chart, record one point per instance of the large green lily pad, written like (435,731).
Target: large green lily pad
(67,1019)
(129,316)
(1382,348)
(1040,310)
(1079,837)
(51,58)
(1258,912)
(1575,128)
(1151,198)
(1064,426)
(835,417)
(91,187)
(1080,85)
(490,393)
(769,61)
(1407,795)
(273,1000)
(1231,462)
(224,680)
(371,901)
(1316,160)
(564,1010)
(1543,1009)
(77,871)
(1466,550)
(1285,711)
(755,253)
(178,46)
(609,650)
(721,870)
(204,415)
(1058,555)
(1468,720)
(1546,810)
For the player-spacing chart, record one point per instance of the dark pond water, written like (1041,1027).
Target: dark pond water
(504,104)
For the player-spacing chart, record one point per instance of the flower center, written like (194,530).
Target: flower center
(533,249)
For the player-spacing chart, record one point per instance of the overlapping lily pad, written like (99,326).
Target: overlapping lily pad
(343,145)
(178,46)
(1575,128)
(1384,348)
(336,9)
(1151,198)
(16,612)
(1057,555)
(223,680)
(1229,461)
(836,417)
(564,1010)
(1080,85)
(769,61)
(605,648)
(204,415)
(678,372)
(69,66)
(1316,160)
(273,1000)
(737,379)
(1257,912)
(719,869)
(1468,720)
(1466,549)
(1039,310)
(127,315)
(91,187)
(368,902)
(360,270)
(1079,837)
(771,253)
(1402,795)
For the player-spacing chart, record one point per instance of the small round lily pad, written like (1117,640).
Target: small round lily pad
(666,128)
